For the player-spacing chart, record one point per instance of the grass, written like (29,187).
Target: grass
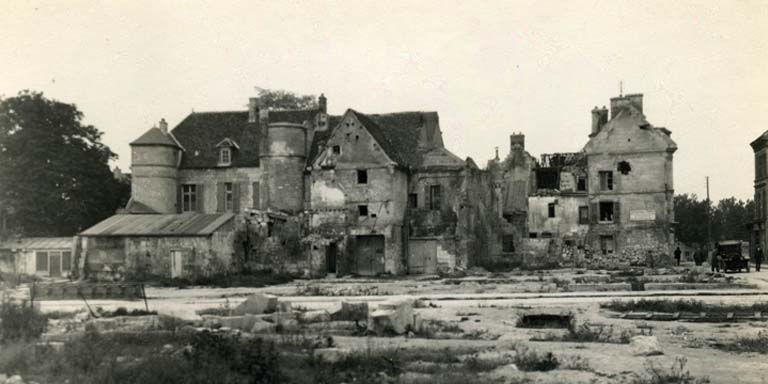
(758,343)
(20,322)
(675,374)
(528,360)
(256,279)
(587,333)
(680,305)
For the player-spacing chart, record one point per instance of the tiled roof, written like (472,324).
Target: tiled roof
(154,136)
(201,131)
(186,224)
(38,243)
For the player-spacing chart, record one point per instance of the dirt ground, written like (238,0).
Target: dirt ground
(486,308)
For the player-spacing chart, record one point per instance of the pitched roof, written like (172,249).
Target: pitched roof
(186,224)
(154,136)
(134,206)
(404,136)
(200,132)
(38,243)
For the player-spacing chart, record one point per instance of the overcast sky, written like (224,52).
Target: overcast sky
(489,68)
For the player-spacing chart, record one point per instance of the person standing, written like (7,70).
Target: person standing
(758,257)
(677,255)
(714,260)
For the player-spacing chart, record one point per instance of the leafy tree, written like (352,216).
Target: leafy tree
(54,169)
(729,219)
(275,99)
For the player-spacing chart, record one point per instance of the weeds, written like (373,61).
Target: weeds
(528,360)
(758,343)
(20,322)
(676,374)
(587,333)
(681,305)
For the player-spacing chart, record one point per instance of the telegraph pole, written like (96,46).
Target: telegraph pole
(709,219)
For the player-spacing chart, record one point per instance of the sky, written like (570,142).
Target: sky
(489,68)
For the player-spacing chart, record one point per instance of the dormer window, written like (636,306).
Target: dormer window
(226,148)
(225,156)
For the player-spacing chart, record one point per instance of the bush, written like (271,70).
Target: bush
(529,360)
(758,343)
(676,374)
(20,322)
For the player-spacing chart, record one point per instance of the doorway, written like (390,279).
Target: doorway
(331,252)
(369,254)
(176,263)
(55,264)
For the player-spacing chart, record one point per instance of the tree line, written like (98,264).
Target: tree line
(730,219)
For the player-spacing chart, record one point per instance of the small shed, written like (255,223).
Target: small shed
(41,256)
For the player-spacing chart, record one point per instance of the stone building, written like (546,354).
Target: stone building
(305,192)
(760,217)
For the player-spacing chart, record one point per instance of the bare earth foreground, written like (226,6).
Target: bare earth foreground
(482,311)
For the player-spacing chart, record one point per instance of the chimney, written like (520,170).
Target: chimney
(516,142)
(253,109)
(322,103)
(623,102)
(599,118)
(163,126)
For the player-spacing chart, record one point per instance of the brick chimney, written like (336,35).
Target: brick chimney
(322,103)
(516,142)
(253,109)
(163,126)
(599,118)
(622,102)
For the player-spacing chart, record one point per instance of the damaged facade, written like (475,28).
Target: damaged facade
(305,192)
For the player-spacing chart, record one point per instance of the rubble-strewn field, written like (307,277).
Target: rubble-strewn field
(565,326)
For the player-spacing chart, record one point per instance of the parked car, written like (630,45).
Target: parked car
(733,255)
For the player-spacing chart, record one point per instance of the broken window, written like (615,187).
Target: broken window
(362,210)
(606,180)
(533,235)
(624,168)
(434,197)
(548,178)
(413,200)
(508,244)
(606,211)
(607,245)
(362,176)
(551,209)
(581,183)
(583,215)
(336,149)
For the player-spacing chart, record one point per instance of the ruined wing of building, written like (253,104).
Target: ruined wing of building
(305,192)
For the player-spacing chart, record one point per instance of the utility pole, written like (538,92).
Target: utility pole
(709,219)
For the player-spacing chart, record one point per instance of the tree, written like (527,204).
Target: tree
(691,215)
(274,99)
(54,169)
(729,219)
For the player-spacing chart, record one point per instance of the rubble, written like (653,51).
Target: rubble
(330,355)
(394,315)
(351,311)
(256,304)
(320,316)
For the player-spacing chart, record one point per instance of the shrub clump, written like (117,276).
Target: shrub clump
(20,322)
(758,343)
(529,360)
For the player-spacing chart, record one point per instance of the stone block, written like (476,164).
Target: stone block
(351,311)
(645,346)
(261,326)
(320,316)
(392,316)
(256,304)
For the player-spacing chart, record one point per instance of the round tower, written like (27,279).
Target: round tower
(283,160)
(154,164)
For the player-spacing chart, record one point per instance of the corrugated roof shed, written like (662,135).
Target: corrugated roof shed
(186,224)
(38,243)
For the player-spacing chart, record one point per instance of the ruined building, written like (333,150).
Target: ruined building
(307,192)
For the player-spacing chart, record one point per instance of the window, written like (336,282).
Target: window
(336,149)
(607,245)
(362,210)
(362,176)
(434,197)
(508,244)
(225,156)
(551,210)
(624,168)
(533,235)
(270,229)
(66,261)
(41,261)
(606,180)
(760,165)
(584,215)
(229,197)
(188,198)
(413,200)
(546,235)
(581,183)
(548,178)
(606,211)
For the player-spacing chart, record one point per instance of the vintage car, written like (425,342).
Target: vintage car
(733,255)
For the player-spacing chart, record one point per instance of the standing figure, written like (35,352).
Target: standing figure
(758,257)
(677,255)
(715,260)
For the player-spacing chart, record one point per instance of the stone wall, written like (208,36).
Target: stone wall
(249,180)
